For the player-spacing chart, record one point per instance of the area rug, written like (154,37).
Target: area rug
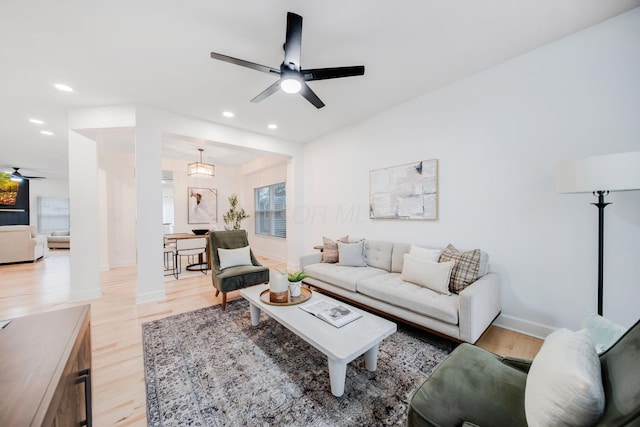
(212,368)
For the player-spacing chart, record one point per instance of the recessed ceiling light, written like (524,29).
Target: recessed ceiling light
(228,114)
(46,132)
(36,121)
(63,88)
(273,126)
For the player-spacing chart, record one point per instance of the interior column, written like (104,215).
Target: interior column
(83,197)
(148,164)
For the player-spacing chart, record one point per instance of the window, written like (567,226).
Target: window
(53,214)
(271,219)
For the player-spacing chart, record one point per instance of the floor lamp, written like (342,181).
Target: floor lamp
(600,175)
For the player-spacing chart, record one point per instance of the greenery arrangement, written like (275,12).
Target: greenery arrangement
(234,216)
(297,276)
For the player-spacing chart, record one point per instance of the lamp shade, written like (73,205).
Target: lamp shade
(611,172)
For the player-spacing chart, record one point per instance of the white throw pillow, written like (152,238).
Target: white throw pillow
(564,384)
(603,332)
(233,257)
(432,275)
(351,254)
(425,254)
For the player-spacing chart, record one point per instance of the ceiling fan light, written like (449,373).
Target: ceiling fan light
(291,85)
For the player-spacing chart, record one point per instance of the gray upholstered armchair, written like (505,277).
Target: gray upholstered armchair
(475,387)
(237,276)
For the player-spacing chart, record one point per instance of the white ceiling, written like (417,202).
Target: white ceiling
(156,53)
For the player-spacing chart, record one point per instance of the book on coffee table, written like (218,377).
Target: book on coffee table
(335,314)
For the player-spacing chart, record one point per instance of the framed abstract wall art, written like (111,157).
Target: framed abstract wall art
(203,205)
(404,192)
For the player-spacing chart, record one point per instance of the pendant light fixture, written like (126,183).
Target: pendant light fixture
(200,168)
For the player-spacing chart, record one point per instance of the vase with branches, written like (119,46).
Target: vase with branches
(234,216)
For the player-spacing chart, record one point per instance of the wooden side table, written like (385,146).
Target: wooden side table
(45,369)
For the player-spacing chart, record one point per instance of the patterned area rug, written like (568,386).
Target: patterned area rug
(212,368)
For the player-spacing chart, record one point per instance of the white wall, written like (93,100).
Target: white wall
(226,181)
(121,208)
(262,172)
(498,137)
(51,187)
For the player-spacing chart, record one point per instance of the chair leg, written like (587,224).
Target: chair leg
(224,300)
(217,292)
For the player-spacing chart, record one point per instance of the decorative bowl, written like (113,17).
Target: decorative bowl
(200,231)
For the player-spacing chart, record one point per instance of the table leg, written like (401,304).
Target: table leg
(371,358)
(255,314)
(337,376)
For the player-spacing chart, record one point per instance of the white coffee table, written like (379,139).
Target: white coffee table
(340,345)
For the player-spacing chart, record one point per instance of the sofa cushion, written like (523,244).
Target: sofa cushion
(465,270)
(397,260)
(351,254)
(399,249)
(378,254)
(392,289)
(341,276)
(425,254)
(564,385)
(473,385)
(330,249)
(432,275)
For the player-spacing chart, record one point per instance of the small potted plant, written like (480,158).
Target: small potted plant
(295,282)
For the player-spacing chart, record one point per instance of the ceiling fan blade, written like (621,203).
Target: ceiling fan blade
(267,92)
(293,43)
(311,96)
(332,73)
(17,175)
(244,63)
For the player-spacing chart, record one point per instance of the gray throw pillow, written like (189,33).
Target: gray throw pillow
(351,254)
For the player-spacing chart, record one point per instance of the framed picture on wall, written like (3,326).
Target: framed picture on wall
(202,205)
(404,192)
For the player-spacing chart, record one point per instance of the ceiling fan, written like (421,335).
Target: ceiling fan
(293,78)
(18,177)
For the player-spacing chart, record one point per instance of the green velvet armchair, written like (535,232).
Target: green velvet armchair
(476,387)
(236,277)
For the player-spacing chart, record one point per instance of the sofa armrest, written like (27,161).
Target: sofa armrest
(310,259)
(479,304)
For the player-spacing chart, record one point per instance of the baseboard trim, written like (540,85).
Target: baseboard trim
(151,297)
(534,329)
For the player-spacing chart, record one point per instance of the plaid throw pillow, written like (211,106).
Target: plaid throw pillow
(465,269)
(330,249)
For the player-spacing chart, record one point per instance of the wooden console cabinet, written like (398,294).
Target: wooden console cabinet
(45,369)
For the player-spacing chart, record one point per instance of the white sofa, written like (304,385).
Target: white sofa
(19,243)
(59,240)
(379,286)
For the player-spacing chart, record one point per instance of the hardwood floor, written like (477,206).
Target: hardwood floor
(118,388)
